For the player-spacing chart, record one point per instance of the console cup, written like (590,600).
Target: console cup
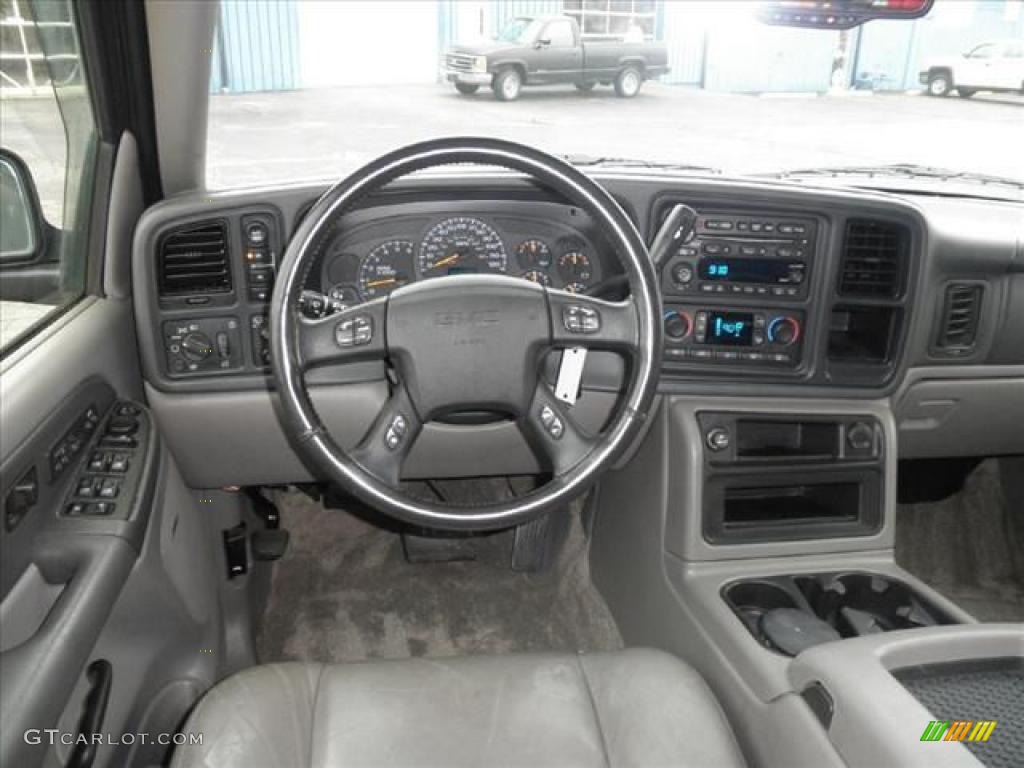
(789,613)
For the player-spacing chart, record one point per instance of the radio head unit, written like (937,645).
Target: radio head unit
(731,253)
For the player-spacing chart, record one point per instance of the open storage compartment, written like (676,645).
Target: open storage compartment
(774,507)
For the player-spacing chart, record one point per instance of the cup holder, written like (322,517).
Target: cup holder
(789,613)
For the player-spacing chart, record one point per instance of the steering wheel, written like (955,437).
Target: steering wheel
(466,343)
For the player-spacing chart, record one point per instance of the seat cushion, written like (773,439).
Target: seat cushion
(635,707)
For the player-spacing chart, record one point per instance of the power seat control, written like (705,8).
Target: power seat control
(354,332)
(579,319)
(551,423)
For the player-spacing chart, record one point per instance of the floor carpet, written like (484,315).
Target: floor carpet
(345,592)
(968,546)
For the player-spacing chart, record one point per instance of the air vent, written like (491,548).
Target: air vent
(195,260)
(873,258)
(960,317)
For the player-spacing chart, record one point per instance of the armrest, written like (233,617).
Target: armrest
(876,720)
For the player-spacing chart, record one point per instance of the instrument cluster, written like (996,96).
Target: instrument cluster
(360,268)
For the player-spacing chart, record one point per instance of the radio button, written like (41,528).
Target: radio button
(701,354)
(682,273)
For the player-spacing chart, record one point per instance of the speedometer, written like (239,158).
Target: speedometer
(462,245)
(385,268)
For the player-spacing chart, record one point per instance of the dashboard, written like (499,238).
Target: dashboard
(377,251)
(783,290)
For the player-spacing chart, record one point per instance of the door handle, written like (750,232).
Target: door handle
(100,675)
(20,499)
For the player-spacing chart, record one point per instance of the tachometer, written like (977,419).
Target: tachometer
(385,268)
(461,245)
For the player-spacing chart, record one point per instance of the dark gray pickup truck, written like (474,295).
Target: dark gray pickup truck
(544,51)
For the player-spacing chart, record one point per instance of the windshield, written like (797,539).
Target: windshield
(316,89)
(520,31)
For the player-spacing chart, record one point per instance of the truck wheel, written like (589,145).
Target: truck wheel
(628,82)
(507,84)
(939,84)
(965,93)
(467,89)
(585,87)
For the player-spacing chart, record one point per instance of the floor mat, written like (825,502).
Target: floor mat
(965,547)
(344,592)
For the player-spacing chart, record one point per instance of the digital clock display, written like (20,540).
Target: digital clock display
(741,270)
(734,328)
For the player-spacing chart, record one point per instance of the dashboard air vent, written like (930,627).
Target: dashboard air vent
(194,259)
(873,258)
(960,316)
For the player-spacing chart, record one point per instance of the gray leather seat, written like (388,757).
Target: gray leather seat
(634,707)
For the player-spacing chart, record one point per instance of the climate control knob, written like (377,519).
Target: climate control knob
(783,331)
(196,346)
(677,324)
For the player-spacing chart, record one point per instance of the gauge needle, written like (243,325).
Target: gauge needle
(446,261)
(379,283)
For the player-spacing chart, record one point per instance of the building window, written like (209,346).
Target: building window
(613,19)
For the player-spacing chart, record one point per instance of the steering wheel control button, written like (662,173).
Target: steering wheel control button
(717,439)
(579,319)
(354,332)
(551,423)
(396,433)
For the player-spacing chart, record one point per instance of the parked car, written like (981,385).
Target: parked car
(996,65)
(549,50)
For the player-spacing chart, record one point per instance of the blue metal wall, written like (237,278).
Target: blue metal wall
(503,10)
(891,53)
(256,47)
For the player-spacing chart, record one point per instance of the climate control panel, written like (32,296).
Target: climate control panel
(753,336)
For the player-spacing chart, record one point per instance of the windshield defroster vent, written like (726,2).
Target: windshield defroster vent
(194,259)
(960,317)
(874,253)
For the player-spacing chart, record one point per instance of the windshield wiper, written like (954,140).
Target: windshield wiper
(902,170)
(629,162)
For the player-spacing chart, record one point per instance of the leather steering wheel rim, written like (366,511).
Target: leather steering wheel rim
(295,342)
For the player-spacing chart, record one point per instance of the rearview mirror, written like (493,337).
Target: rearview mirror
(21,219)
(838,14)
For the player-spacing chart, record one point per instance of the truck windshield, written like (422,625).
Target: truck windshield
(317,89)
(522,31)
